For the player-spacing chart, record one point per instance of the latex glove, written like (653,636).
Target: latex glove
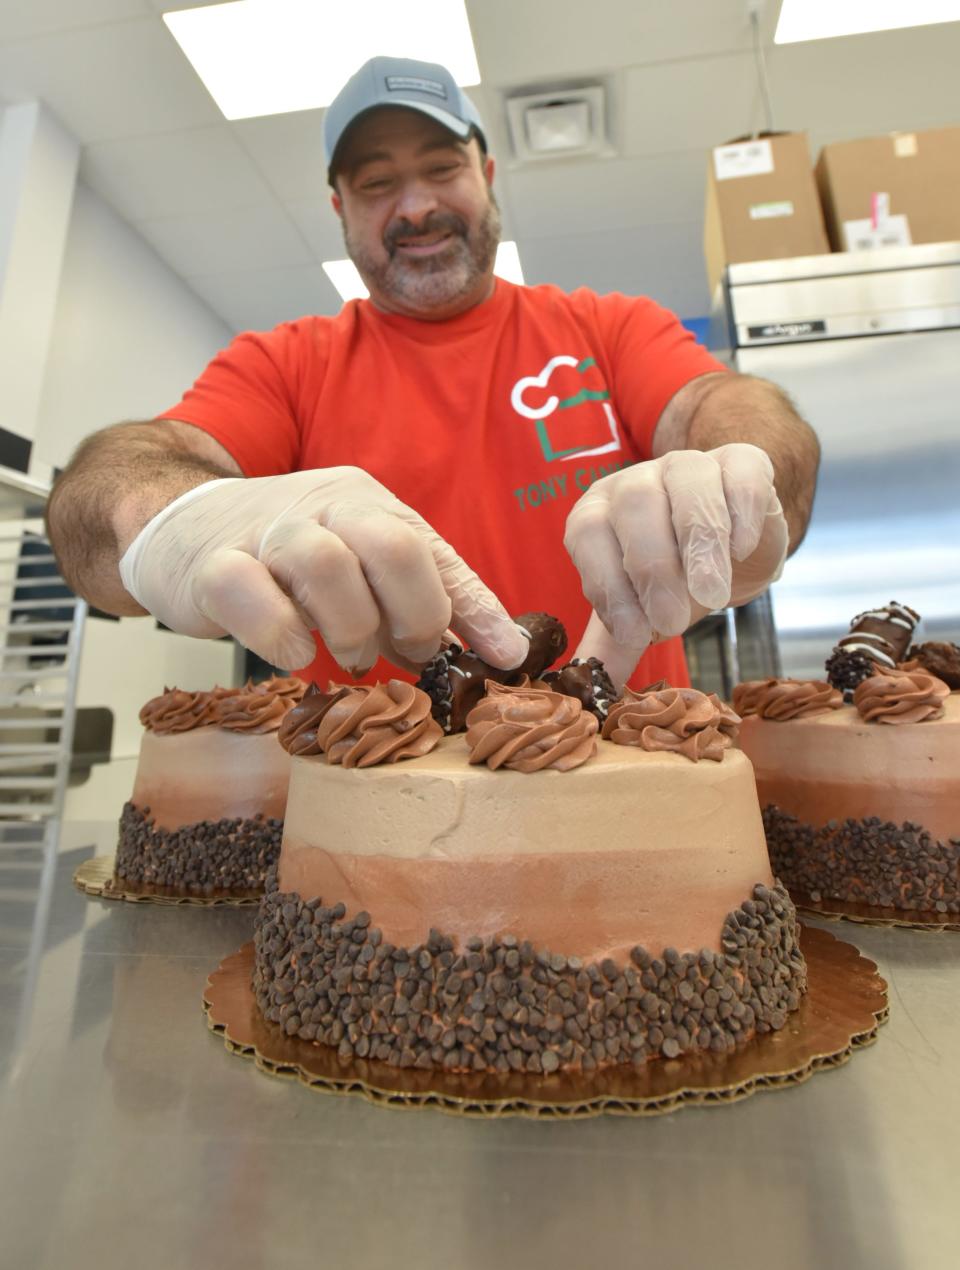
(660,544)
(270,558)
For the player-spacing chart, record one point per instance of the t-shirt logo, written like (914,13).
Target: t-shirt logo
(581,421)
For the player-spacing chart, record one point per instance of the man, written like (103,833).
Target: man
(357,476)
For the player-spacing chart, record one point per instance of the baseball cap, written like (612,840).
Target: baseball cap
(399,81)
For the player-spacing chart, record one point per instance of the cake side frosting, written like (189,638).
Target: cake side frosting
(209,772)
(630,847)
(864,811)
(836,765)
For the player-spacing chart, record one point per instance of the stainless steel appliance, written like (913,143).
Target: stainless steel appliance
(868,346)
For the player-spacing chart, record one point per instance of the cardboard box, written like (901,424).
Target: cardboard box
(894,190)
(762,203)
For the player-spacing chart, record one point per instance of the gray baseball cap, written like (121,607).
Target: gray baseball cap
(399,81)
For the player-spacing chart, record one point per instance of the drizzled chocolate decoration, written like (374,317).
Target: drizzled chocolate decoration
(588,682)
(878,639)
(941,660)
(298,731)
(455,680)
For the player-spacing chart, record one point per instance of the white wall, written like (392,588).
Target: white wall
(128,337)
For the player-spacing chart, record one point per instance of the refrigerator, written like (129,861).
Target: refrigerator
(867,344)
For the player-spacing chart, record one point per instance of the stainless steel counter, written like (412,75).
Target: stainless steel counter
(131,1137)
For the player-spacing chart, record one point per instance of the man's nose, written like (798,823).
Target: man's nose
(417,200)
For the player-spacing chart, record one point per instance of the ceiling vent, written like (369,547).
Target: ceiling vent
(562,124)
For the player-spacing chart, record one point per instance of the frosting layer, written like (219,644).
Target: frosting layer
(632,847)
(836,765)
(207,773)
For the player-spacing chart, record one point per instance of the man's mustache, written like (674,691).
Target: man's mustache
(436,223)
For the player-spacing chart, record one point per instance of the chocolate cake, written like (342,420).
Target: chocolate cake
(861,797)
(538,892)
(206,812)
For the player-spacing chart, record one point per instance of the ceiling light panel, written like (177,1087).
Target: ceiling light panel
(269,57)
(824,19)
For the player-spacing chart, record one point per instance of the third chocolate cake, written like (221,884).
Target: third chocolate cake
(858,775)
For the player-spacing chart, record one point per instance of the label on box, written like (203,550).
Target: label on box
(861,235)
(766,211)
(749,158)
(905,145)
(787,330)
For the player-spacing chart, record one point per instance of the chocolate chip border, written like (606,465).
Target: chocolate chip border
(870,861)
(209,856)
(499,1005)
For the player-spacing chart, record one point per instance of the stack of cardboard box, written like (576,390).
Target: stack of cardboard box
(765,200)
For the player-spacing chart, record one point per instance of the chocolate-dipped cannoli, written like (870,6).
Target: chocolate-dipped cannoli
(455,679)
(878,639)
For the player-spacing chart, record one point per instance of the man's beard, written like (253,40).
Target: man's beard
(435,281)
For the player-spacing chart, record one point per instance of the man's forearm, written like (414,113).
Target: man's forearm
(116,481)
(741,408)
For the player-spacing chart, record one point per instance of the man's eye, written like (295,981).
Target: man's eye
(375,185)
(445,169)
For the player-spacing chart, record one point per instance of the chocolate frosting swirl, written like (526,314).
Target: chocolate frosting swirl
(176,710)
(259,707)
(528,729)
(901,696)
(298,731)
(362,726)
(681,720)
(783,699)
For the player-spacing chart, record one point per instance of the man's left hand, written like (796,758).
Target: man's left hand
(660,544)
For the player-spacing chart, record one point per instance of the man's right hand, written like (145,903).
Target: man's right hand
(269,559)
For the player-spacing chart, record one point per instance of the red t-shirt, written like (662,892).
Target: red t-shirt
(489,425)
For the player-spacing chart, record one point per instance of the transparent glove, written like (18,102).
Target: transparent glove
(269,559)
(660,544)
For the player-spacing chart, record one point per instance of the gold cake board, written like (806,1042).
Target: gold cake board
(842,1011)
(95,877)
(873,915)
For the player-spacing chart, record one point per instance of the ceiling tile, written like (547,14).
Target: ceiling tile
(261,299)
(24,19)
(125,79)
(237,238)
(173,173)
(522,44)
(320,226)
(604,194)
(868,84)
(686,105)
(664,262)
(288,150)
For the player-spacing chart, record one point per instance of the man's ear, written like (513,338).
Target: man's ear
(337,204)
(488,169)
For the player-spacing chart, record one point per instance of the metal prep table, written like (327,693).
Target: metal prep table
(131,1137)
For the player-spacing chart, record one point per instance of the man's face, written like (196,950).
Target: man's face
(419,218)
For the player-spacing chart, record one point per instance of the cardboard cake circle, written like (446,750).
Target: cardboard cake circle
(95,877)
(842,1011)
(874,915)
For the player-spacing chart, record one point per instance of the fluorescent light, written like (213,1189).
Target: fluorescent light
(343,274)
(824,19)
(508,263)
(268,57)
